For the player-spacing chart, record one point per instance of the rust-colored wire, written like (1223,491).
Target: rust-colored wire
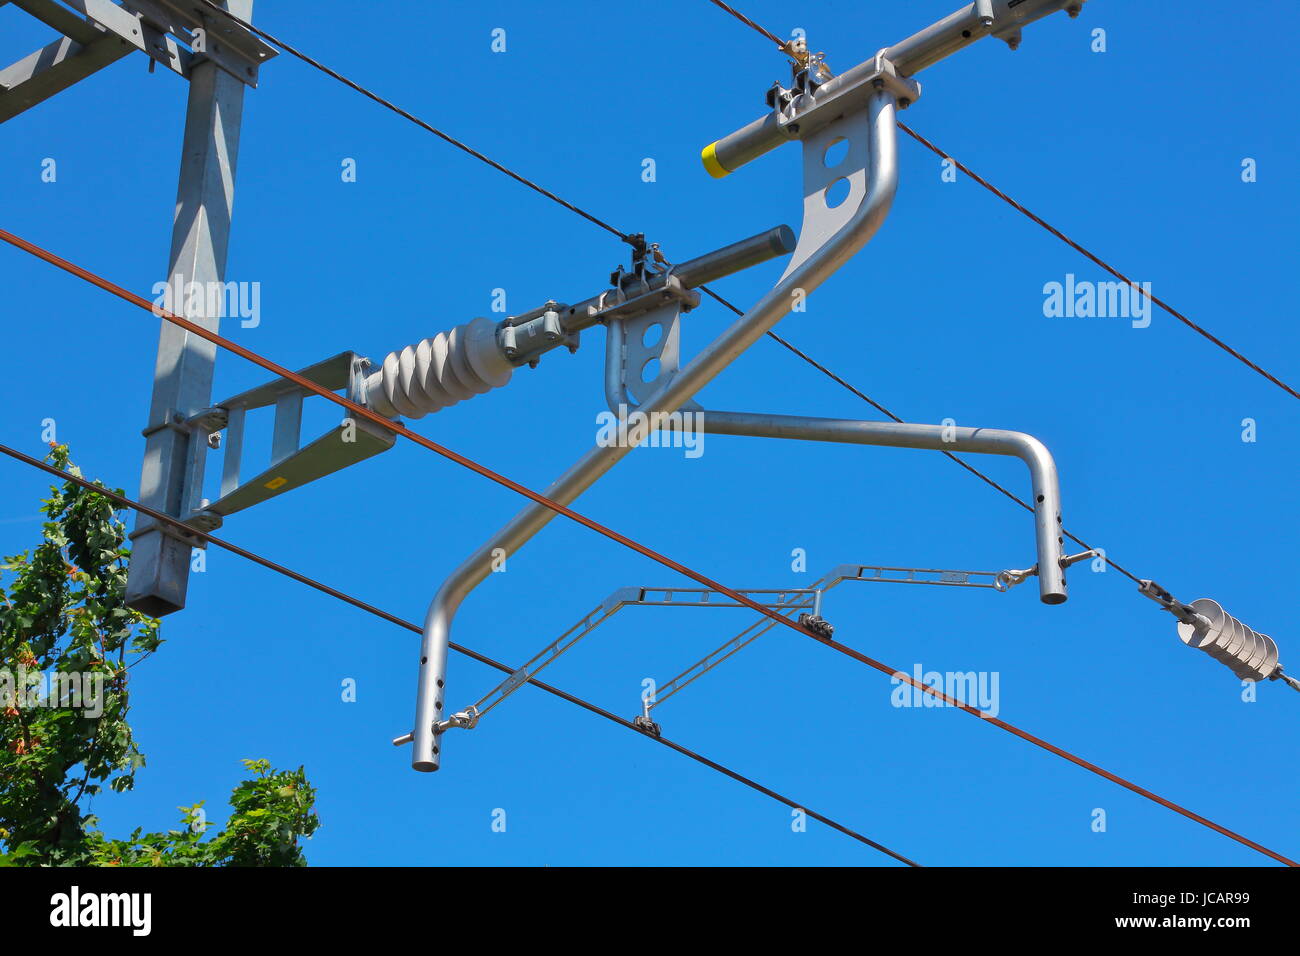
(1053,749)
(783,45)
(102,283)
(468,652)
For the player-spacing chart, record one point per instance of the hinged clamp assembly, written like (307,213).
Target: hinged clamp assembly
(1009,579)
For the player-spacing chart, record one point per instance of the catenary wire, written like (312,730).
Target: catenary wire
(102,283)
(468,652)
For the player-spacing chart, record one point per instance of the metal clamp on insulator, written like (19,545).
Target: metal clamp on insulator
(524,339)
(1167,601)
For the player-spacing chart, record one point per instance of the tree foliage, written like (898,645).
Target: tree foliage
(68,646)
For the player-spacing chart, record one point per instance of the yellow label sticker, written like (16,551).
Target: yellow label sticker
(275,483)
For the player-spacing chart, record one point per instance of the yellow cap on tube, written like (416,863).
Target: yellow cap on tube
(710,157)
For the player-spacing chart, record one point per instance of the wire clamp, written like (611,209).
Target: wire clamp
(643,723)
(818,625)
(1170,603)
(466,719)
(813,102)
(620,305)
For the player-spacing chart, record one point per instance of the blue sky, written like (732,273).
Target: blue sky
(1136,152)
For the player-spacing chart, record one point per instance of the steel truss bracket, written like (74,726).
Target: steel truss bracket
(805,602)
(292,464)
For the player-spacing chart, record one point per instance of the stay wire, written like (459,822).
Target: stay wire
(782,45)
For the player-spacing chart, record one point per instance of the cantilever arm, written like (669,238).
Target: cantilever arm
(874,156)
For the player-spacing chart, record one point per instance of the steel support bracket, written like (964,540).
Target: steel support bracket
(187,430)
(292,464)
(628,324)
(209,35)
(135,29)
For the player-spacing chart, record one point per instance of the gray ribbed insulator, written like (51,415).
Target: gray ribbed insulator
(1247,653)
(441,371)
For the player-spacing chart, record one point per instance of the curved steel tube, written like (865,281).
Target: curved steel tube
(989,441)
(808,274)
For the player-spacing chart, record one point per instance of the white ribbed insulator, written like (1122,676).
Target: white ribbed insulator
(441,371)
(1249,654)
